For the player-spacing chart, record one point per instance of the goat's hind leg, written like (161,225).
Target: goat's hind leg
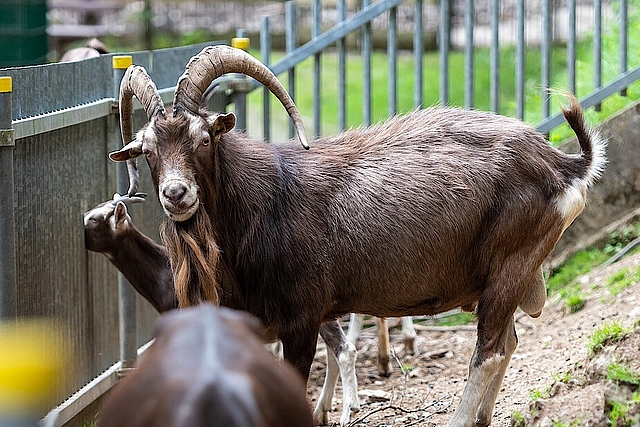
(485,411)
(341,356)
(409,335)
(494,346)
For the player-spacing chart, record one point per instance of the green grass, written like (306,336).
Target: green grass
(622,279)
(431,63)
(463,318)
(619,414)
(608,333)
(619,372)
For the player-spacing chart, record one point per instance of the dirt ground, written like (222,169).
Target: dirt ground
(549,347)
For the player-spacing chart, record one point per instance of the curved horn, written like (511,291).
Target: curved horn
(214,61)
(137,82)
(127,199)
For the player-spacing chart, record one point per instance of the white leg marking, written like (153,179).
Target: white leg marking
(479,380)
(485,411)
(355,327)
(347,364)
(409,335)
(321,412)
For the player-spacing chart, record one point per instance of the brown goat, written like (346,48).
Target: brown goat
(437,209)
(109,229)
(208,367)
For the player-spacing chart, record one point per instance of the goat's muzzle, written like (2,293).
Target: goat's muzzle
(178,200)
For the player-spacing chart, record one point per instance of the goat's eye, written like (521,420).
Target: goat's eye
(146,151)
(206,140)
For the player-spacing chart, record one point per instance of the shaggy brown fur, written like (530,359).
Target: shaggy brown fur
(194,256)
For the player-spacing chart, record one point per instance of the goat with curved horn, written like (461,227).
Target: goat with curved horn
(214,61)
(137,82)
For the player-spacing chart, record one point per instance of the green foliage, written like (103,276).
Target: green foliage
(539,393)
(581,263)
(621,412)
(622,279)
(517,419)
(561,377)
(463,318)
(619,239)
(608,333)
(622,373)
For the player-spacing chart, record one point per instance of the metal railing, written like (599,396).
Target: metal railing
(540,26)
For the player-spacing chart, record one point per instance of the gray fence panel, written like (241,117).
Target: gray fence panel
(52,189)
(42,89)
(58,175)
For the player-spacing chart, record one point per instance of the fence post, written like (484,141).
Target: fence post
(126,293)
(240,41)
(8,307)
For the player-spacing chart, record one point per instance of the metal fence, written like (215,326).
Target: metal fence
(59,121)
(470,26)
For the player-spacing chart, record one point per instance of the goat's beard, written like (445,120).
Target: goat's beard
(194,256)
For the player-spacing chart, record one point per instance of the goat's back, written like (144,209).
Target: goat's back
(430,203)
(208,367)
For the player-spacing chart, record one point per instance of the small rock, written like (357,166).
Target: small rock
(375,395)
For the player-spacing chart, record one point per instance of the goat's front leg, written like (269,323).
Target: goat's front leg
(341,355)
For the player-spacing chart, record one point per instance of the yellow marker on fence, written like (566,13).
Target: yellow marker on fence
(241,43)
(122,62)
(6,84)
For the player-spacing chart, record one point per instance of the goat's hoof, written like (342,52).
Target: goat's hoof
(483,422)
(384,367)
(321,417)
(409,346)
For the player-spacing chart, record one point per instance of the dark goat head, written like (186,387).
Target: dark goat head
(190,133)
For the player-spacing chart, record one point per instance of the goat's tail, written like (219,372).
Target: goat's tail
(593,146)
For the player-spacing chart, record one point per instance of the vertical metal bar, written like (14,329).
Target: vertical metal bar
(265,53)
(317,87)
(597,48)
(444,51)
(342,71)
(8,281)
(392,57)
(240,98)
(469,14)
(571,47)
(520,59)
(290,45)
(545,78)
(366,68)
(418,49)
(126,293)
(494,54)
(624,41)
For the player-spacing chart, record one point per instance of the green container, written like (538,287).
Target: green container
(23,32)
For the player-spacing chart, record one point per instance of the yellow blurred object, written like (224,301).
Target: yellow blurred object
(122,62)
(241,43)
(31,361)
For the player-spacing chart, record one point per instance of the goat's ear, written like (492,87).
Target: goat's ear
(120,214)
(223,123)
(128,152)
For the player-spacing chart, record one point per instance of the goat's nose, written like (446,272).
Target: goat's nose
(175,192)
